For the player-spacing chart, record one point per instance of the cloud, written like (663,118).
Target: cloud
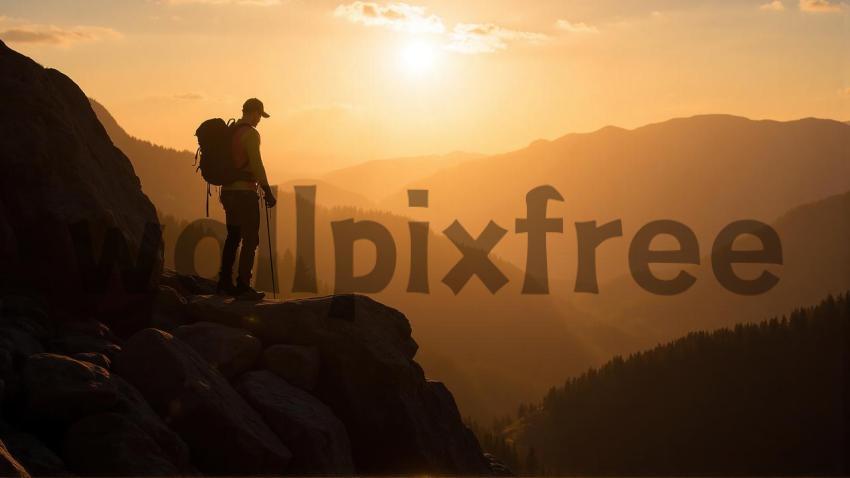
(820,6)
(487,38)
(772,6)
(463,38)
(256,3)
(190,96)
(54,35)
(396,16)
(578,27)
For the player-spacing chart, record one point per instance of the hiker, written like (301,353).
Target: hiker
(240,199)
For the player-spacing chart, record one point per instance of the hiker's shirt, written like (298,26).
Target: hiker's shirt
(246,154)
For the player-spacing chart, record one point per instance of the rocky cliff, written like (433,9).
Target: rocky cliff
(112,368)
(64,190)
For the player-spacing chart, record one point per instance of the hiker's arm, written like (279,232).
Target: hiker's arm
(251,141)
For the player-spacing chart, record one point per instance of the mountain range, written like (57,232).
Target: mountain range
(704,171)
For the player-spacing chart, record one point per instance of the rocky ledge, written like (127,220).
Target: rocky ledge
(216,386)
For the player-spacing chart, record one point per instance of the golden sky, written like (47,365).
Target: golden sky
(348,81)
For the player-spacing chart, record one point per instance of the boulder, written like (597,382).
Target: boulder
(133,406)
(168,309)
(9,466)
(26,313)
(396,420)
(297,364)
(87,327)
(111,444)
(231,351)
(317,439)
(36,457)
(64,188)
(224,434)
(187,284)
(94,358)
(74,344)
(64,389)
(18,342)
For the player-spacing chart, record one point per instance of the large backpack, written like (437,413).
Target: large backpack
(214,157)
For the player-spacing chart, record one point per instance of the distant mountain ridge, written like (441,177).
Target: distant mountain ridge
(704,171)
(377,178)
(168,175)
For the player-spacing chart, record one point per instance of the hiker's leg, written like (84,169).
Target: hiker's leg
(250,209)
(234,236)
(228,252)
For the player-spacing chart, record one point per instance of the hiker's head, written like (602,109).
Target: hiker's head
(252,111)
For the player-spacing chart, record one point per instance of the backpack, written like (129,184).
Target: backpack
(215,150)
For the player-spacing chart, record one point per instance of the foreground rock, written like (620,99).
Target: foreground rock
(111,444)
(317,438)
(230,351)
(224,434)
(396,420)
(9,466)
(32,453)
(297,364)
(62,391)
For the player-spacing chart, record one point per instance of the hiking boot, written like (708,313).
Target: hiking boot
(243,291)
(224,286)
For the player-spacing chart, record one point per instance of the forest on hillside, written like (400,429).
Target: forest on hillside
(758,399)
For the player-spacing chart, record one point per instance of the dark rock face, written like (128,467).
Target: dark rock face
(297,364)
(111,444)
(93,358)
(76,344)
(34,455)
(61,388)
(9,466)
(396,420)
(60,169)
(230,351)
(317,438)
(224,434)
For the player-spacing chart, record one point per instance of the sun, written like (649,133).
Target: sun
(418,58)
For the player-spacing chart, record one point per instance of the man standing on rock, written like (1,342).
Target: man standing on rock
(241,205)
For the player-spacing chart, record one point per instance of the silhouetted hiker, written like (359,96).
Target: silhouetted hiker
(240,199)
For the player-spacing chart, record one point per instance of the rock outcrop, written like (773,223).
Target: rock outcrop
(223,432)
(64,186)
(397,420)
(308,427)
(297,364)
(231,351)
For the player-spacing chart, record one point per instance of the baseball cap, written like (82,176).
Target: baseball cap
(253,104)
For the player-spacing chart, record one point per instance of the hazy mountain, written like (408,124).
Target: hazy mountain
(329,195)
(816,261)
(704,171)
(378,178)
(168,175)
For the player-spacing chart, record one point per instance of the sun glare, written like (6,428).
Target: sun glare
(418,58)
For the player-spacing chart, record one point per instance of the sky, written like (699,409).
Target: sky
(348,81)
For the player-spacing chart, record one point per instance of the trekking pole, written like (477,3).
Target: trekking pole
(271,254)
